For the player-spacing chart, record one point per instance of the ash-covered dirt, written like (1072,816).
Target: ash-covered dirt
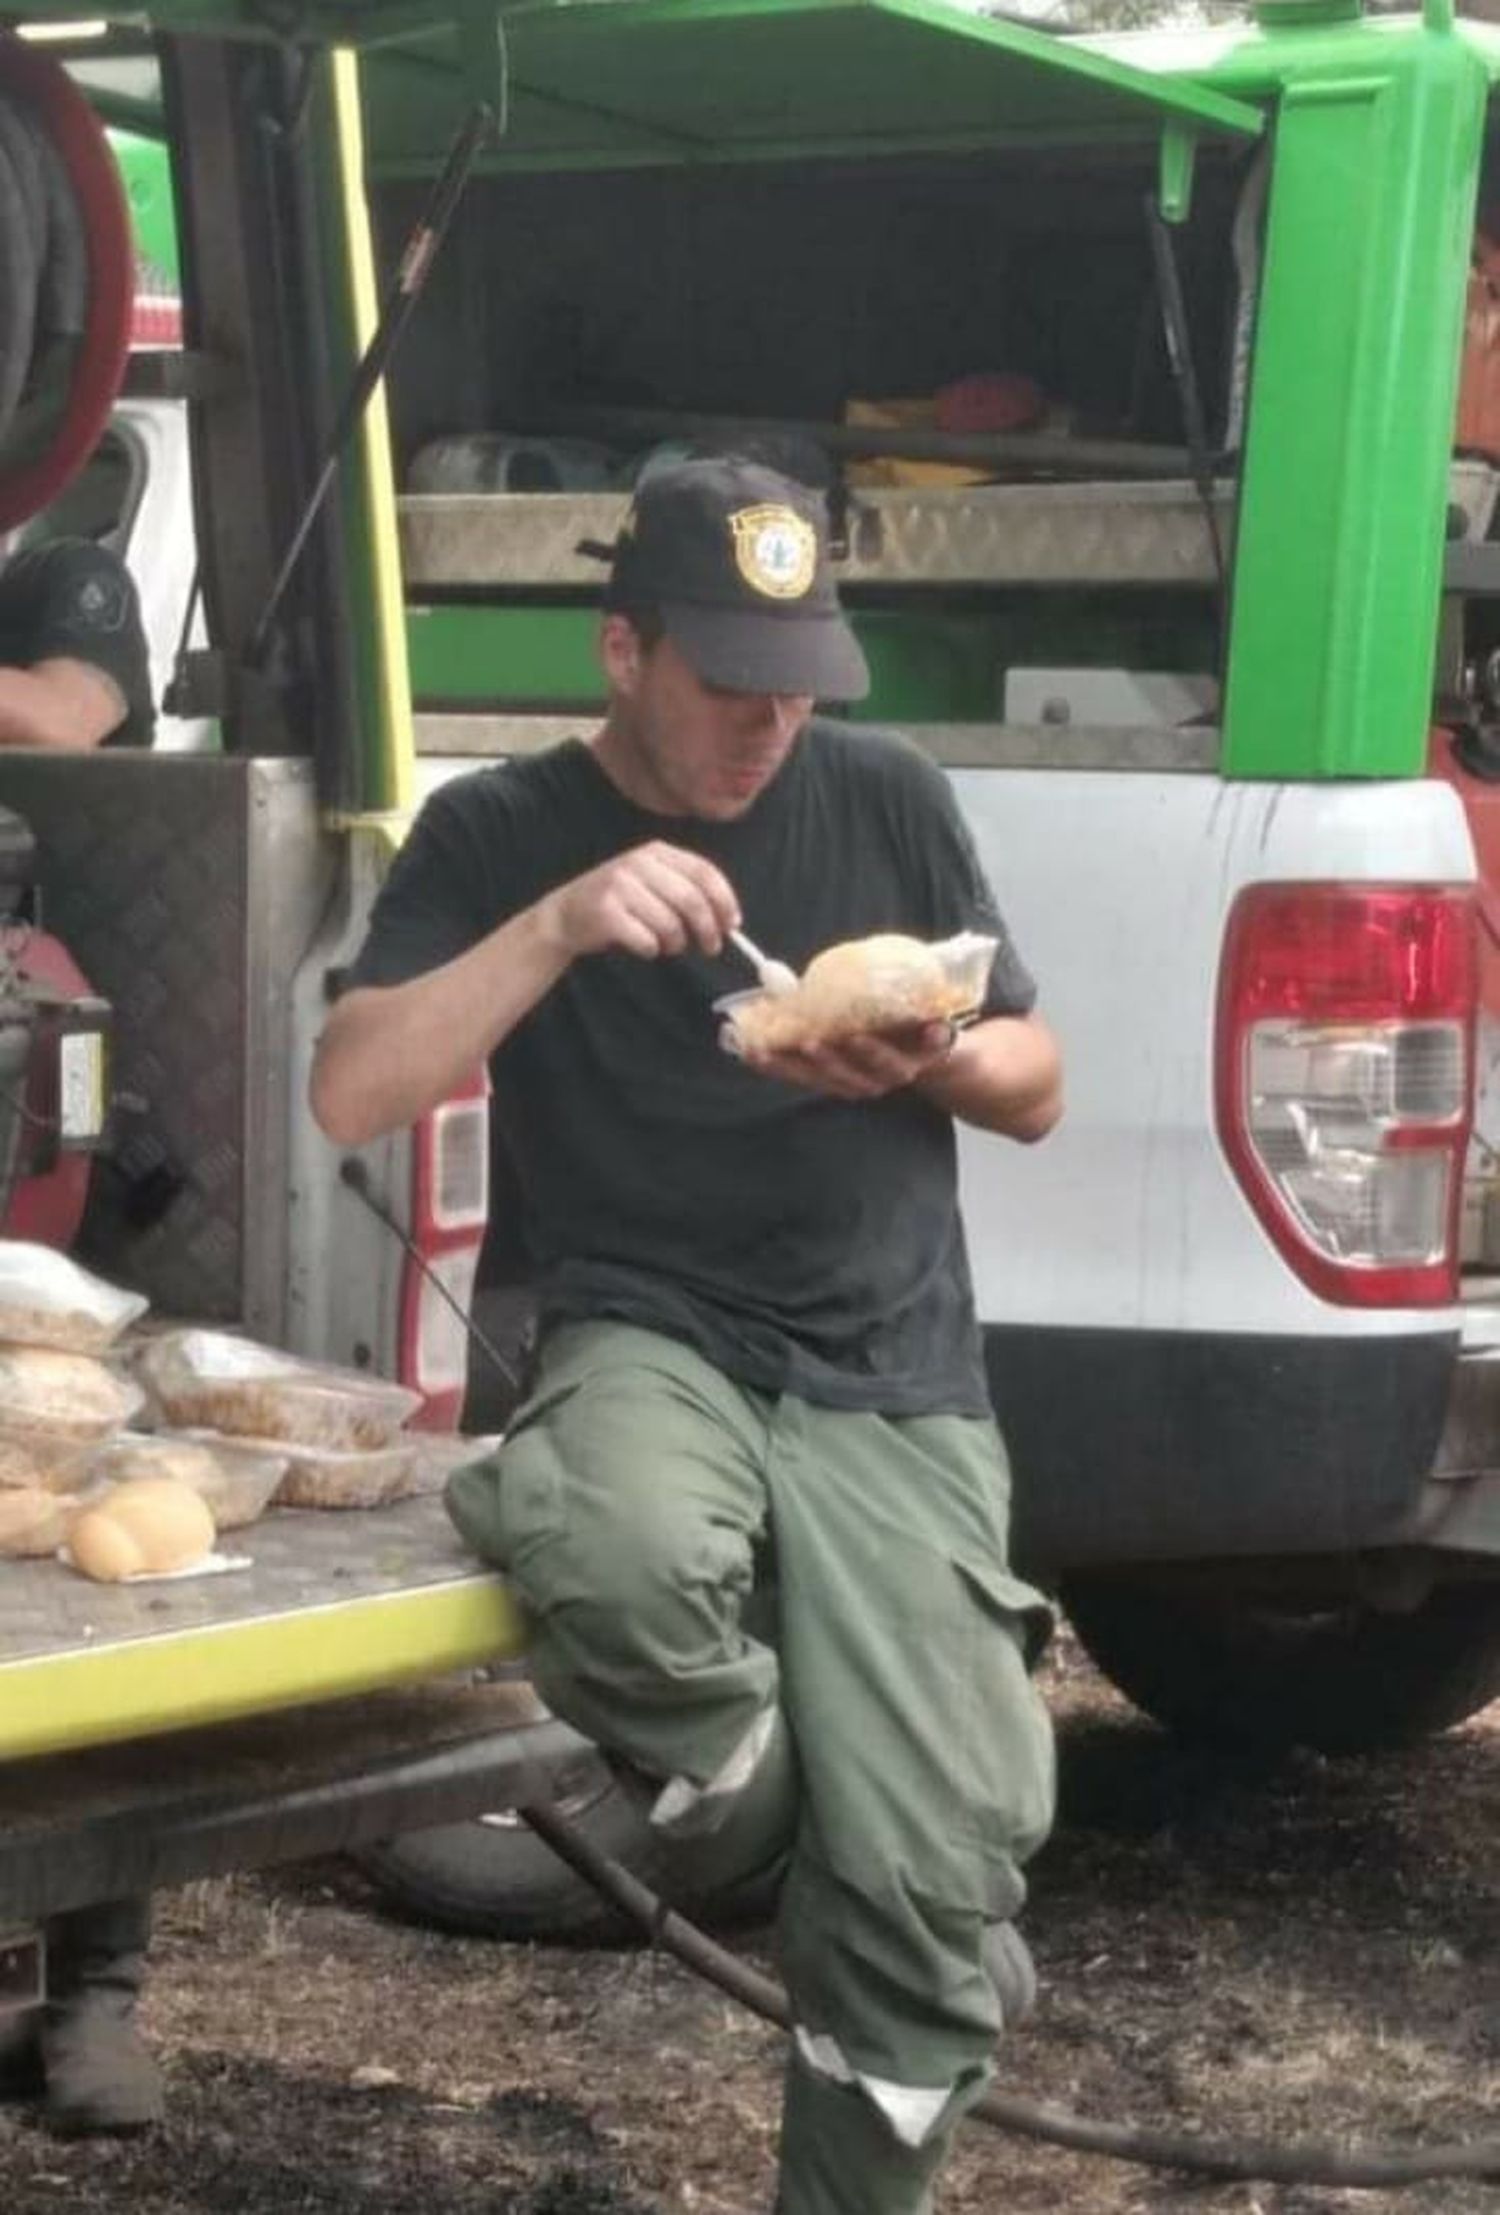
(1299,1949)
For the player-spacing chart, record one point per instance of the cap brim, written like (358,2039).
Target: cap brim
(747,650)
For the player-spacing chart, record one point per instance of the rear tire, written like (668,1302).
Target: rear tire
(494,1878)
(1344,1679)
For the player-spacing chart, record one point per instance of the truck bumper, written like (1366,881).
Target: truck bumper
(1137,1446)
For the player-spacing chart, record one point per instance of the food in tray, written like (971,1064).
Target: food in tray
(235,1476)
(33,1521)
(46,1299)
(38,1461)
(319,1478)
(211,1380)
(147,1527)
(864,984)
(52,1398)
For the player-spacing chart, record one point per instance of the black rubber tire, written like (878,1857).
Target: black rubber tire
(1344,1679)
(494,1878)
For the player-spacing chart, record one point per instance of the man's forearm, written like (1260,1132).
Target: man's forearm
(388,1053)
(1003,1075)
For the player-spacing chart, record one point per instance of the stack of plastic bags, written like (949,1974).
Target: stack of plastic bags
(96,1414)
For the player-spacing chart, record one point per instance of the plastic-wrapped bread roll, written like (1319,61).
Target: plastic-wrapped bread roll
(867,984)
(147,1528)
(33,1522)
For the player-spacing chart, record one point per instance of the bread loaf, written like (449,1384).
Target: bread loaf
(33,1522)
(147,1527)
(863,984)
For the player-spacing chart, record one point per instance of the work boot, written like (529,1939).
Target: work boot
(709,1843)
(100,2076)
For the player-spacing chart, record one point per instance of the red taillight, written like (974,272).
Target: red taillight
(1344,1080)
(449,1211)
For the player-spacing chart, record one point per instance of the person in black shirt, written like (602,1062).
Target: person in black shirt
(75,674)
(74,667)
(759,1362)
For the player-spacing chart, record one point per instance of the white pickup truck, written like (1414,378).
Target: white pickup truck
(1206,641)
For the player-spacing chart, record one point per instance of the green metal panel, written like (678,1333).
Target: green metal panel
(925,668)
(147,176)
(926,665)
(1339,545)
(519,657)
(611,82)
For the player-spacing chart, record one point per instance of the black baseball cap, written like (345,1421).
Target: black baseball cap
(735,558)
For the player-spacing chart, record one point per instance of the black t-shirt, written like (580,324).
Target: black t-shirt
(71,599)
(803,1244)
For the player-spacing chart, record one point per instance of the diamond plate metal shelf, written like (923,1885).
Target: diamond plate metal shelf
(1076,534)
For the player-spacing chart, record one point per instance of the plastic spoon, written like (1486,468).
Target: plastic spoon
(775,976)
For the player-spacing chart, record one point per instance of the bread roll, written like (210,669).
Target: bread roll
(862,984)
(145,1528)
(235,1476)
(33,1522)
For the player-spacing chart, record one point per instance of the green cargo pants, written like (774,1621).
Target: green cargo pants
(637,1498)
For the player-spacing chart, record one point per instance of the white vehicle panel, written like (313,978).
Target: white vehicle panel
(1117,889)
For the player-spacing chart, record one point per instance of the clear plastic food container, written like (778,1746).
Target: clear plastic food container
(36,1461)
(46,1299)
(210,1380)
(873,984)
(320,1477)
(47,1396)
(236,1480)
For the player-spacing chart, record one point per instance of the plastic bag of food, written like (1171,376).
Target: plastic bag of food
(320,1477)
(34,1522)
(210,1380)
(233,1478)
(47,1300)
(35,1461)
(49,1398)
(864,984)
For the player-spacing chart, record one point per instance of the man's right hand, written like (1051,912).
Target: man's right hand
(655,900)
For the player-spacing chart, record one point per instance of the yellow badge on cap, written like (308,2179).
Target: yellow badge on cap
(775,550)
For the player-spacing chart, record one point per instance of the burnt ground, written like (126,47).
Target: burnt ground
(1301,1949)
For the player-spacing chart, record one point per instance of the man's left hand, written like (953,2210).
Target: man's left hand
(862,1068)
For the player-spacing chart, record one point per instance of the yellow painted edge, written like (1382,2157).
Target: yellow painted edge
(373,439)
(388,830)
(220,1672)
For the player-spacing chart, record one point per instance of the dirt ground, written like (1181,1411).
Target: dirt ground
(1305,1950)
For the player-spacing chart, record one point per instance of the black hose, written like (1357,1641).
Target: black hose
(1311,2162)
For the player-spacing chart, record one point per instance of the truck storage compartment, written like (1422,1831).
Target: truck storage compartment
(577,321)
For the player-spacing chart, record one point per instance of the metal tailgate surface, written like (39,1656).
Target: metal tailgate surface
(332,1603)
